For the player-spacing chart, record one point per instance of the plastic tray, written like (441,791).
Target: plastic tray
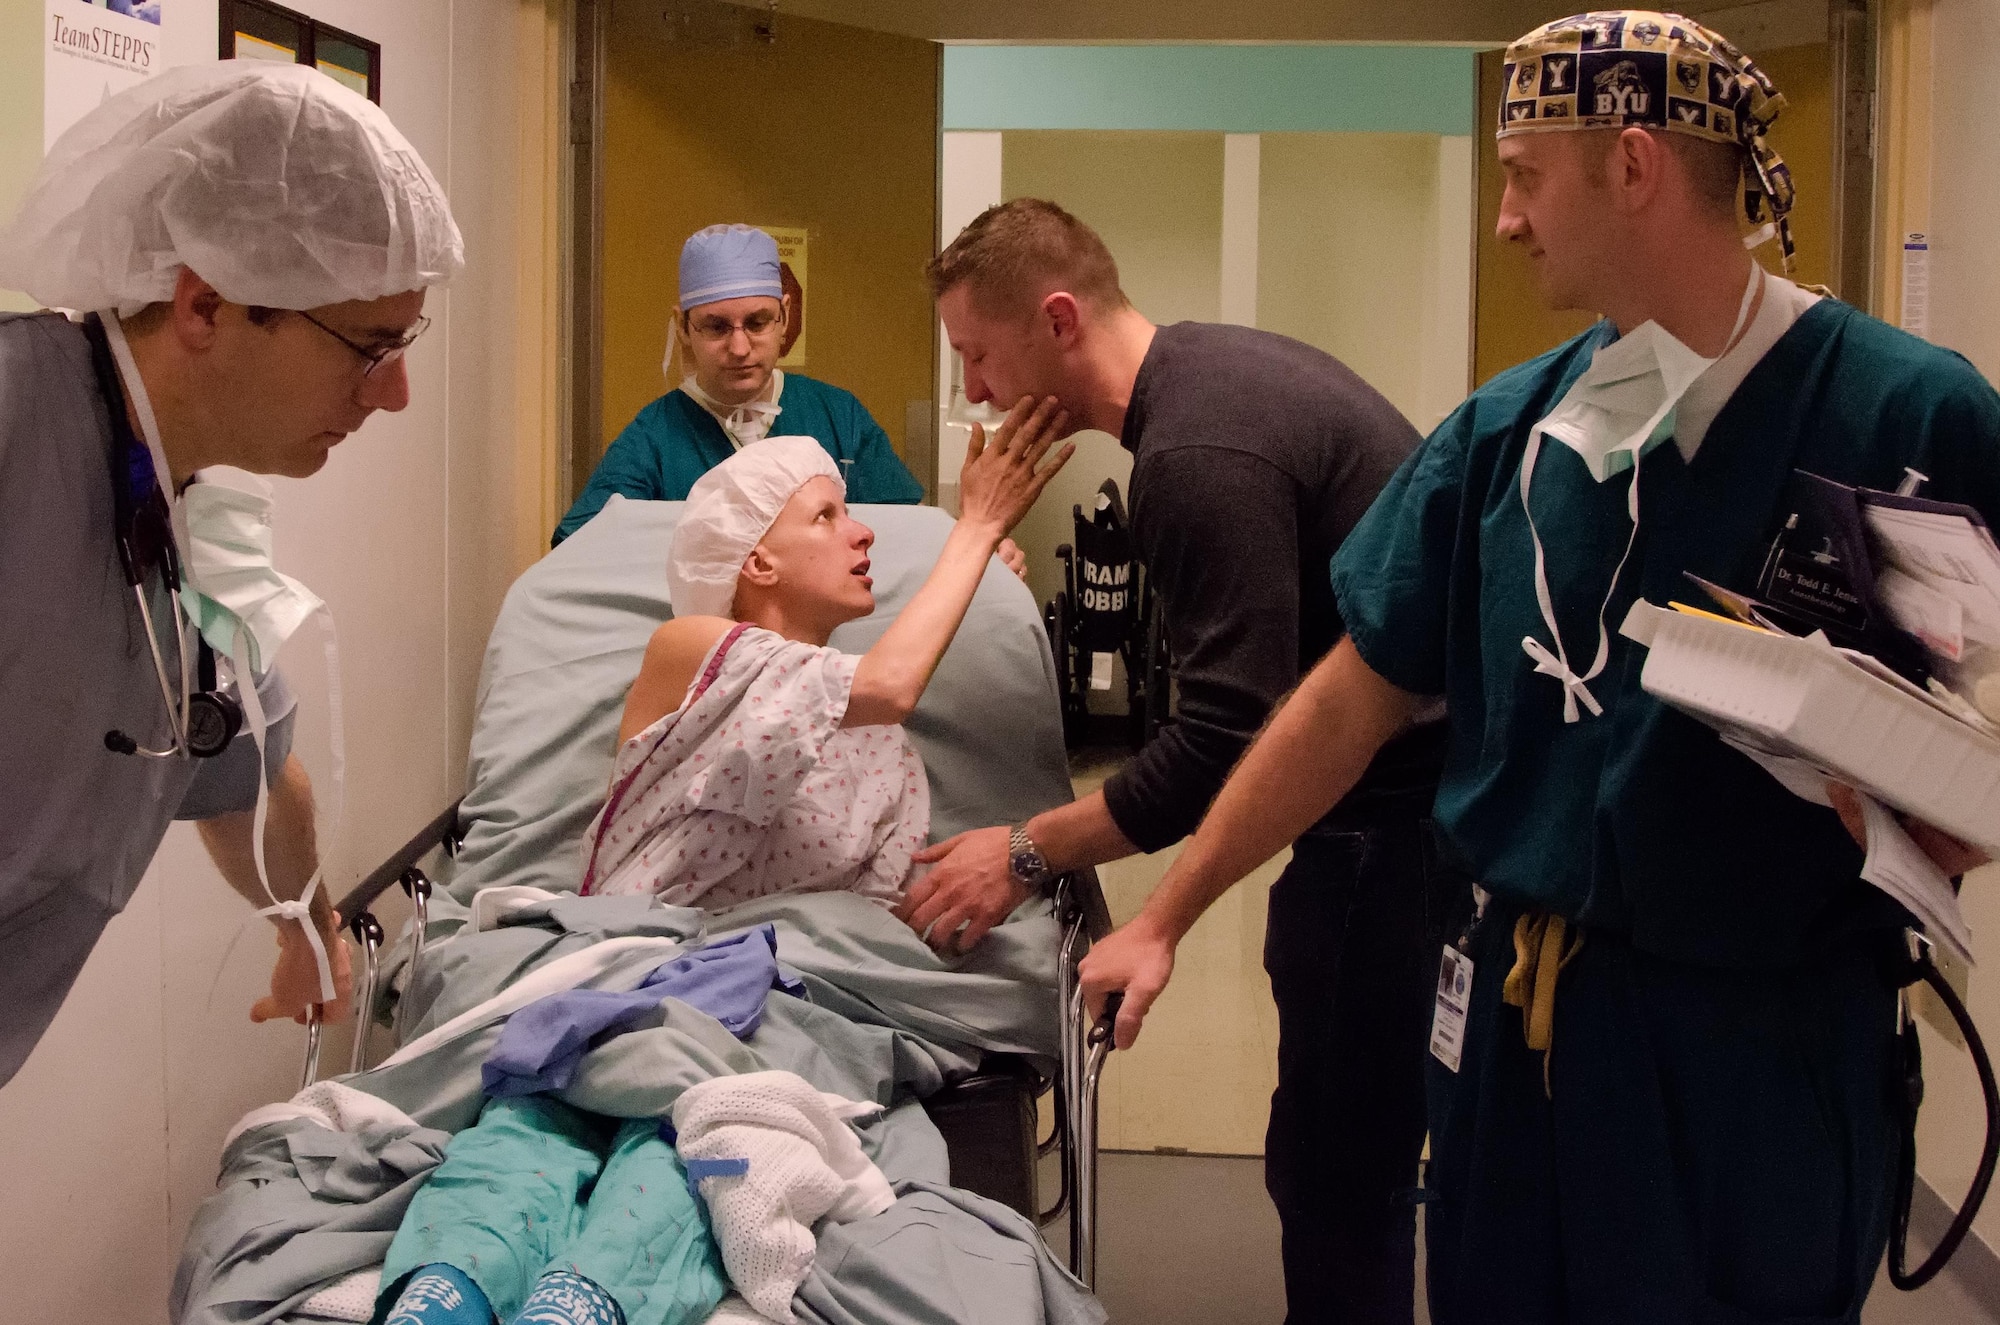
(1800,697)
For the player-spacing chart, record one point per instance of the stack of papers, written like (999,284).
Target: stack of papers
(1940,575)
(1809,712)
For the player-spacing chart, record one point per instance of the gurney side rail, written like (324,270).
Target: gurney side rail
(1084,919)
(400,868)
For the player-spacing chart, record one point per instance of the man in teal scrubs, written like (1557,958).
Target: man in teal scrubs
(1675,1099)
(730,323)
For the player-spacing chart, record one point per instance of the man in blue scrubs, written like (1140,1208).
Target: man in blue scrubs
(1675,1098)
(730,323)
(226,332)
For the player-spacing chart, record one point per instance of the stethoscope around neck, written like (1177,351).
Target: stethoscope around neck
(204,720)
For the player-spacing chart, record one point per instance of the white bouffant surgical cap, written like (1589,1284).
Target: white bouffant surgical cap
(729,510)
(271,182)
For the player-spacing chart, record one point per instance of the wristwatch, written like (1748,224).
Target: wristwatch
(1026,862)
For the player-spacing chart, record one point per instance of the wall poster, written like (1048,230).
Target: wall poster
(95,49)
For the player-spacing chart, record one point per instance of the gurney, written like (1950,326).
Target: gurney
(566,644)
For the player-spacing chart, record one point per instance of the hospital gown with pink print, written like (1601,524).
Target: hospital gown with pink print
(752,787)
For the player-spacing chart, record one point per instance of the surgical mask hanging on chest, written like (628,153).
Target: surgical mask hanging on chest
(245,609)
(745,423)
(1612,416)
(232,584)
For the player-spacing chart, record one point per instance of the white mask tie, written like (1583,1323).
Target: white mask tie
(746,423)
(240,643)
(327,830)
(1613,414)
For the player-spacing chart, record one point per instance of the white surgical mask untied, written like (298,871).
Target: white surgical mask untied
(245,608)
(746,423)
(1612,416)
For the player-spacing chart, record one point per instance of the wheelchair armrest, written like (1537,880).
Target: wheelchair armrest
(995,1070)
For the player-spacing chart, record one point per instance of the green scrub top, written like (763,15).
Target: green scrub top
(1641,821)
(674,441)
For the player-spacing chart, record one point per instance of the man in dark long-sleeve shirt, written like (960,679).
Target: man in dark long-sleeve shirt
(1253,456)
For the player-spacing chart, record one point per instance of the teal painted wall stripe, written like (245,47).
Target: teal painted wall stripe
(1229,89)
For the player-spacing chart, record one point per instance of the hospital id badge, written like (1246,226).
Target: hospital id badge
(1453,997)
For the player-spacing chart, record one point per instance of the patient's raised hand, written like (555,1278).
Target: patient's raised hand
(1001,478)
(999,483)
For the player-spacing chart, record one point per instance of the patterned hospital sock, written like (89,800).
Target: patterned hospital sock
(440,1294)
(563,1298)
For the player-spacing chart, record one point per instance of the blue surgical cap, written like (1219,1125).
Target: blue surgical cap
(728,262)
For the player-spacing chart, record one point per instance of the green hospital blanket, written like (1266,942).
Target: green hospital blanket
(885,1019)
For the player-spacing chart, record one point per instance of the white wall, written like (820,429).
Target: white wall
(1964,297)
(1156,198)
(109,1136)
(1365,249)
(968,183)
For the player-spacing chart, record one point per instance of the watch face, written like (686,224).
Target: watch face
(1025,864)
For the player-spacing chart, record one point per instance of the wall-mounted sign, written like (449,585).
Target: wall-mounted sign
(1916,311)
(94,51)
(792,270)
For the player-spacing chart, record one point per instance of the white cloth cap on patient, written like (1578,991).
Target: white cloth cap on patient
(728,511)
(271,182)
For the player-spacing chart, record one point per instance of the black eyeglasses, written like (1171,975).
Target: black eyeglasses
(378,354)
(756,326)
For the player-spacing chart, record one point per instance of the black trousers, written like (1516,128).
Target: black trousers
(1358,924)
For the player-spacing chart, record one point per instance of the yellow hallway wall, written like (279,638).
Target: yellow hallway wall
(20,114)
(829,128)
(1344,223)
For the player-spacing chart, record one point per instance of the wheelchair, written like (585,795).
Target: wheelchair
(1107,610)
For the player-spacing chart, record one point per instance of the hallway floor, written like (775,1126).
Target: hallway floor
(1193,1240)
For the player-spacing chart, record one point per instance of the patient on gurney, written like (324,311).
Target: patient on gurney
(753,759)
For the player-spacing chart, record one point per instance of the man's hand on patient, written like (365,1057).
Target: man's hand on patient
(968,891)
(295,979)
(1951,855)
(1013,559)
(1137,958)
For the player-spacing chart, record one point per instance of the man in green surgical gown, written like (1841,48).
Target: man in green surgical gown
(730,323)
(1676,1094)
